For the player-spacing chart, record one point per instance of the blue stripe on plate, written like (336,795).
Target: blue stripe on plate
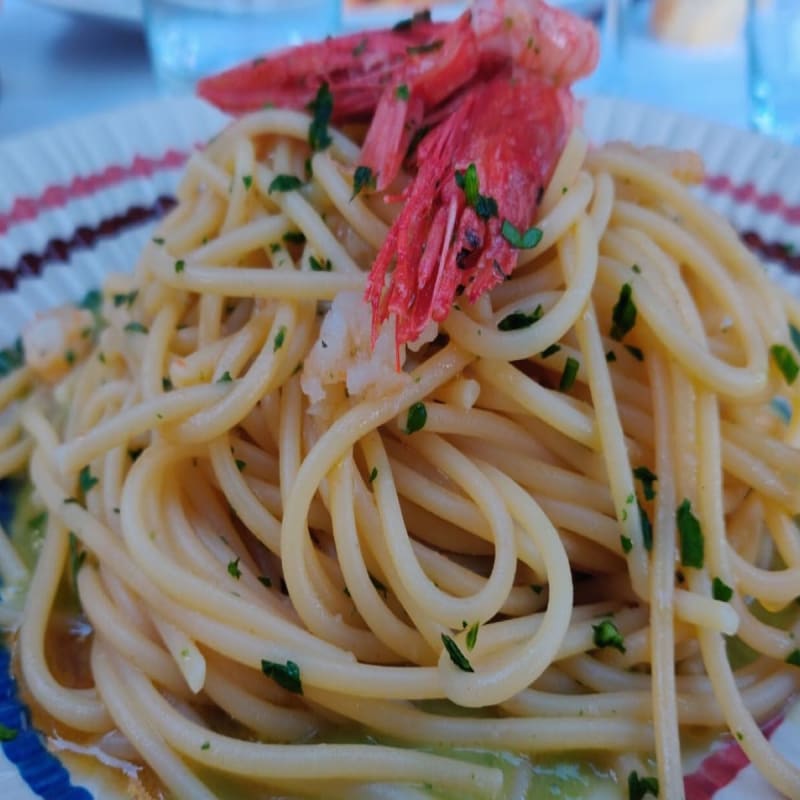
(38,767)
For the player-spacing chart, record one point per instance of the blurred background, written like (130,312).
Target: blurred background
(64,58)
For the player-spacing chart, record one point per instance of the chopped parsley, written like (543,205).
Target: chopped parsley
(691,535)
(233,569)
(125,298)
(158,240)
(69,357)
(86,480)
(401,92)
(637,269)
(7,734)
(285,675)
(472,636)
(785,361)
(721,591)
(179,265)
(550,351)
(638,788)
(516,238)
(467,180)
(225,377)
(294,237)
(317,266)
(794,658)
(280,337)
(569,374)
(205,746)
(606,634)
(247,180)
(627,544)
(265,580)
(284,183)
(372,475)
(456,656)
(517,320)
(647,527)
(363,178)
(135,327)
(11,358)
(647,479)
(240,465)
(794,335)
(321,108)
(623,316)
(417,417)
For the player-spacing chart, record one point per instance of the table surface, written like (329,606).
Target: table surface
(55,66)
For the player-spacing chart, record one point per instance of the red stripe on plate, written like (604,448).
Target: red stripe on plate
(746,193)
(25,209)
(721,767)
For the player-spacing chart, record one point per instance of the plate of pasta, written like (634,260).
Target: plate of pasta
(325,475)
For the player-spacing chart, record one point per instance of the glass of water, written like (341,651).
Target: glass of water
(773,61)
(189,39)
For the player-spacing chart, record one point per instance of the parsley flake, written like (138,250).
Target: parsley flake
(517,320)
(321,108)
(721,591)
(86,480)
(284,183)
(785,361)
(422,49)
(417,417)
(265,580)
(179,265)
(285,675)
(240,465)
(294,237)
(647,479)
(516,238)
(363,178)
(485,207)
(135,327)
(691,534)
(794,658)
(550,351)
(401,92)
(125,298)
(606,634)
(627,544)
(233,569)
(317,266)
(372,475)
(456,656)
(225,377)
(280,337)
(623,316)
(638,788)
(472,636)
(11,358)
(247,180)
(569,374)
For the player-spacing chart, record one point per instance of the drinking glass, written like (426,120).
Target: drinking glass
(773,66)
(189,39)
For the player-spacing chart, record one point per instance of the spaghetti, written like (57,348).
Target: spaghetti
(553,515)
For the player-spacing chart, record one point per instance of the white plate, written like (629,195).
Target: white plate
(77,177)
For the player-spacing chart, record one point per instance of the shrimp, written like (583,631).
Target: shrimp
(485,101)
(510,132)
(399,76)
(55,339)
